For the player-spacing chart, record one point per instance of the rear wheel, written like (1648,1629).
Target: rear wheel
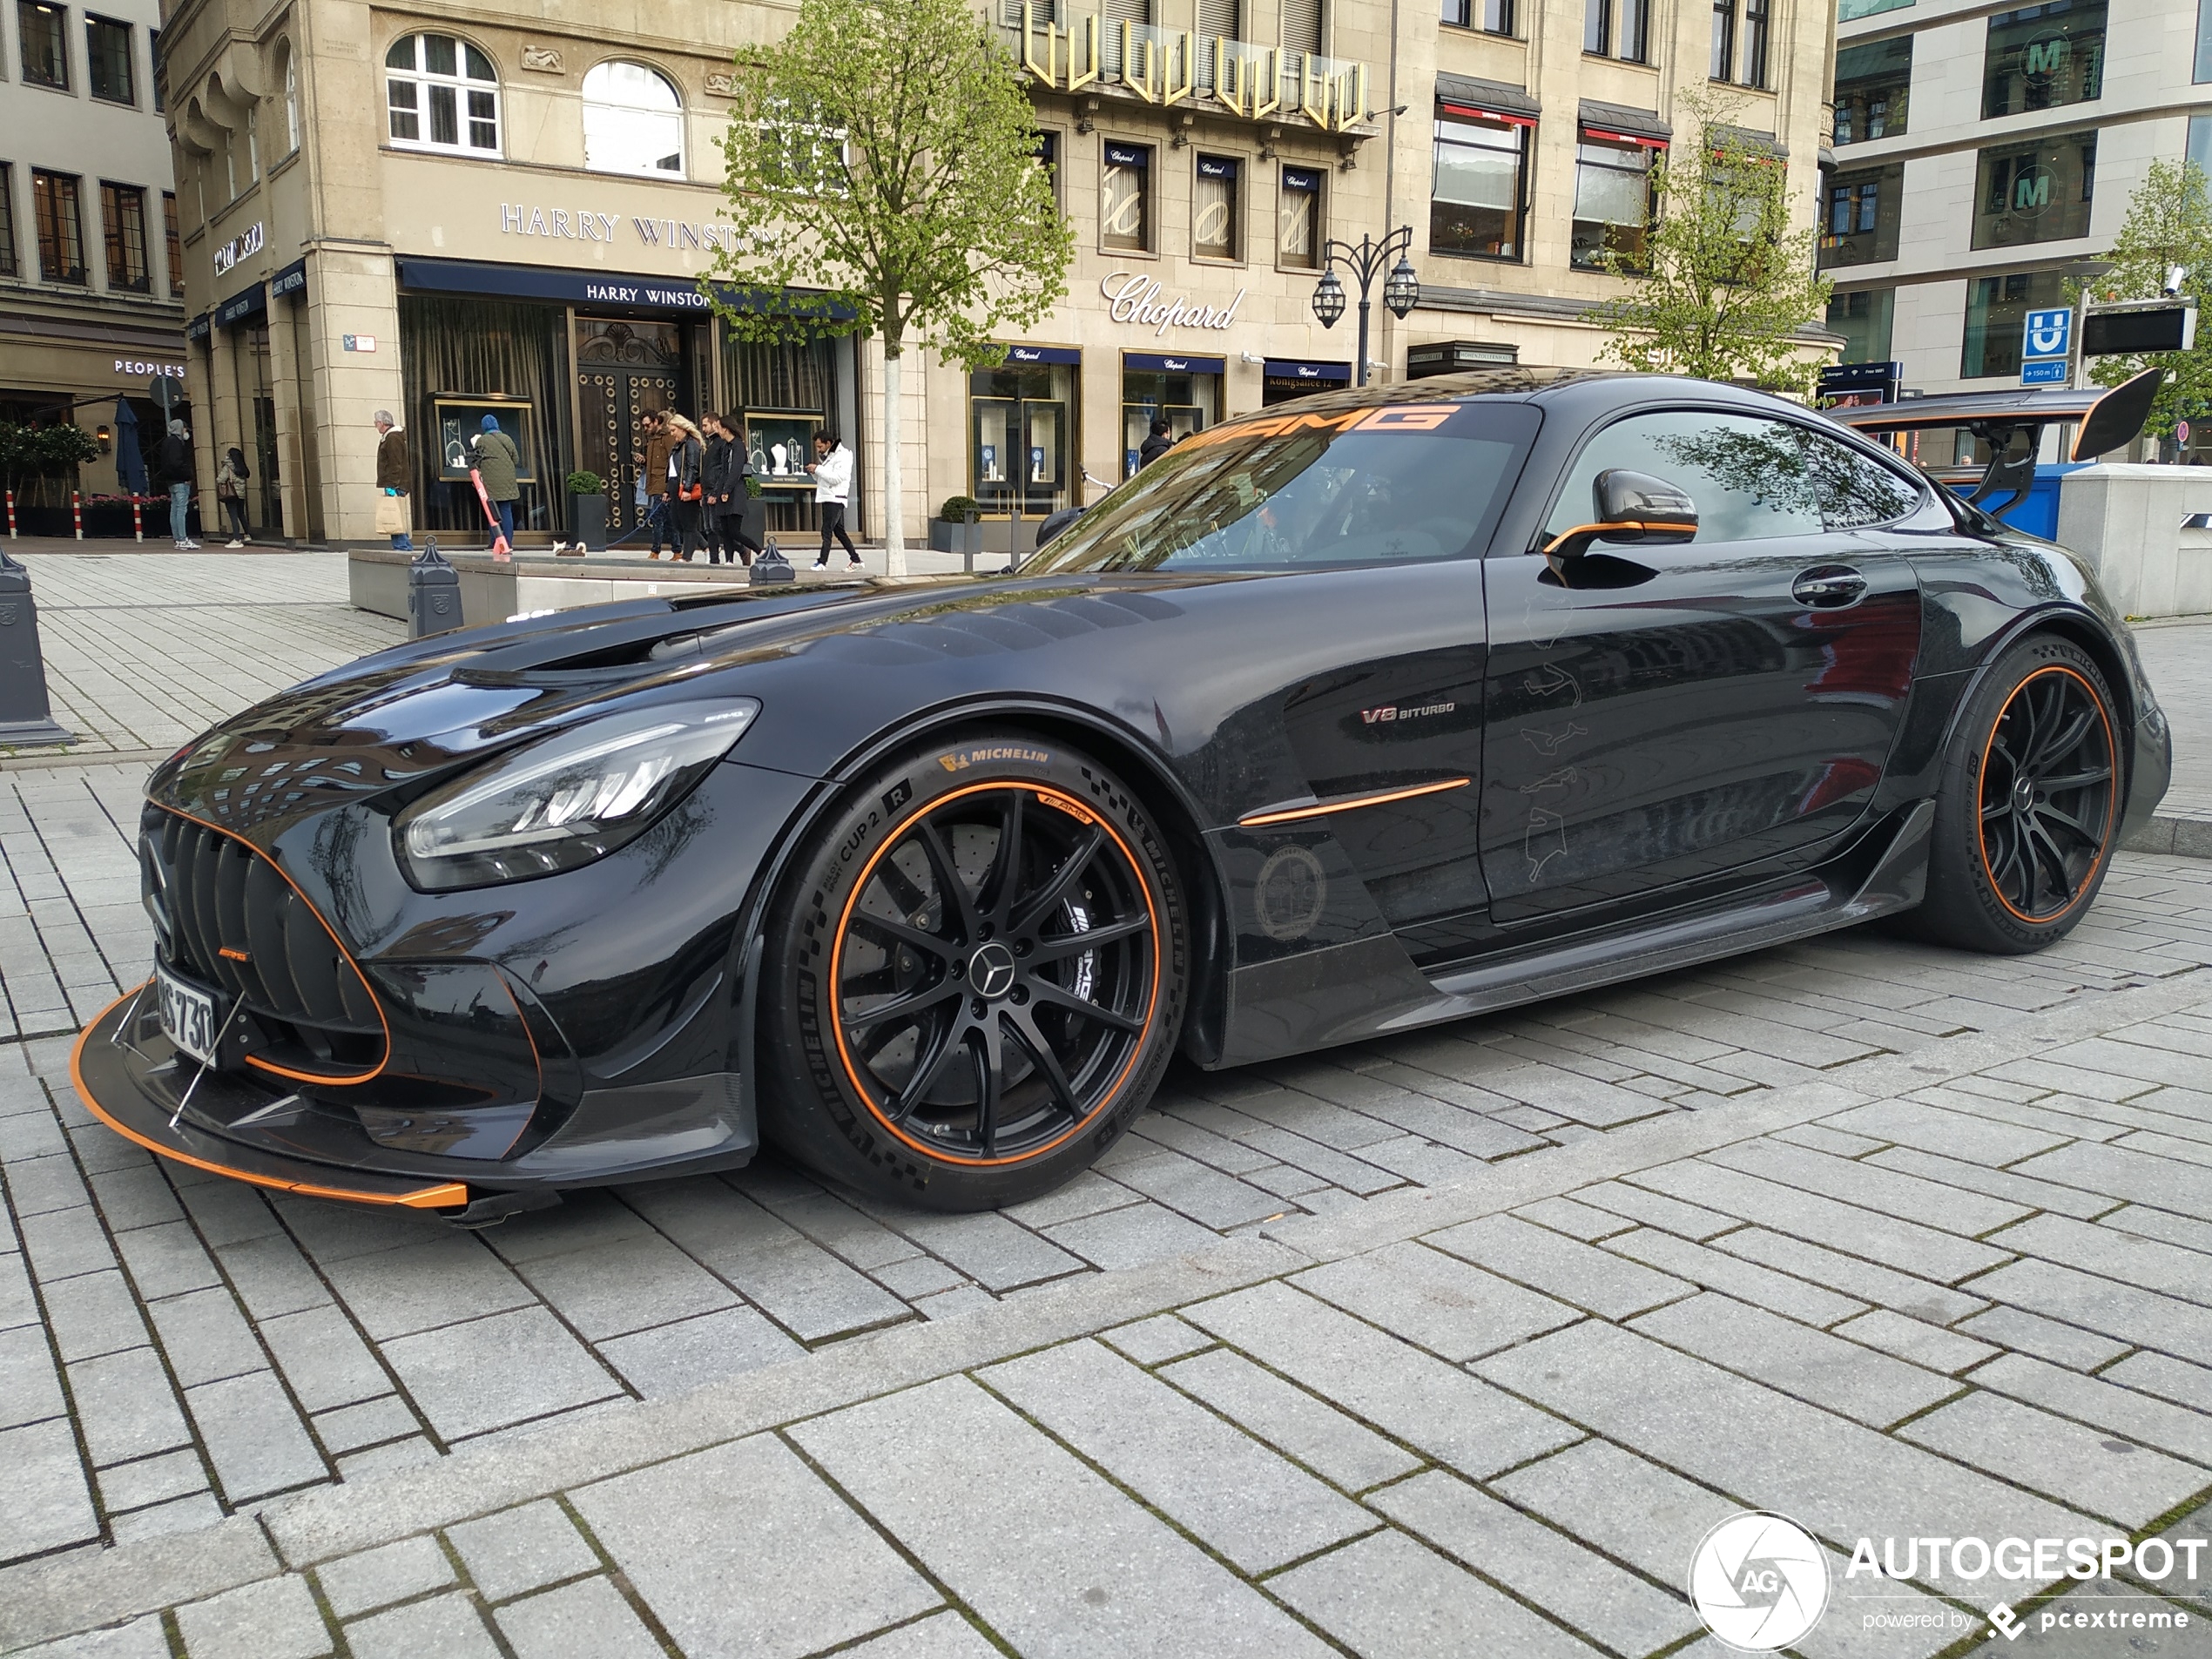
(2029,807)
(978,982)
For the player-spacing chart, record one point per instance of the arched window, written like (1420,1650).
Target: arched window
(442,94)
(633,121)
(291,102)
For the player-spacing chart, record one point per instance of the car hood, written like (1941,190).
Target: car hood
(393,723)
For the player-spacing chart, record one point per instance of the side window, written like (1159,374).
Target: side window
(1751,478)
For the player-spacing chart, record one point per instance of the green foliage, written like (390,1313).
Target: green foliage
(1726,276)
(957,508)
(2168,223)
(884,153)
(43,454)
(585,484)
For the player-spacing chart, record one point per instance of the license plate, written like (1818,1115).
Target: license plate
(188,1016)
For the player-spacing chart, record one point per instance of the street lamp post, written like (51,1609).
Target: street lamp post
(1401,290)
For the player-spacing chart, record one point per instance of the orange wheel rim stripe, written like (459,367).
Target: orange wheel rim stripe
(2112,804)
(1064,802)
(436,1197)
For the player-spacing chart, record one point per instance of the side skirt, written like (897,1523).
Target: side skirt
(1278,1009)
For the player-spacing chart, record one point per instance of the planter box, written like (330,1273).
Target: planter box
(588,521)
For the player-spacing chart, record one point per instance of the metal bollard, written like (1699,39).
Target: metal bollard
(971,542)
(25,715)
(771,566)
(433,593)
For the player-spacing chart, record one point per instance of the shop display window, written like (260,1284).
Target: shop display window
(1189,398)
(1021,438)
(460,418)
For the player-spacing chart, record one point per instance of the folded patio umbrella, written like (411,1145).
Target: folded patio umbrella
(129,459)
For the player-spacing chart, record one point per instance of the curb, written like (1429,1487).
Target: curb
(2176,836)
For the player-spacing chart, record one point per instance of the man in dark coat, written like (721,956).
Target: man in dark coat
(172,471)
(392,476)
(1156,444)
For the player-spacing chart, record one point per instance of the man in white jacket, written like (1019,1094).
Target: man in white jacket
(832,472)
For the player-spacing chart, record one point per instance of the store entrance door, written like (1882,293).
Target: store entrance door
(625,370)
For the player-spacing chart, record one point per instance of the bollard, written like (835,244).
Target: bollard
(971,542)
(12,514)
(433,593)
(76,513)
(138,523)
(771,566)
(25,715)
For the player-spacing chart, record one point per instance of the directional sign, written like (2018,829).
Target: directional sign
(167,392)
(2049,371)
(2049,334)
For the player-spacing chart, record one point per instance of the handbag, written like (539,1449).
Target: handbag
(392,516)
(690,492)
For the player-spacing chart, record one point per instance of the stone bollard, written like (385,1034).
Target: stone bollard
(25,715)
(971,541)
(772,566)
(433,593)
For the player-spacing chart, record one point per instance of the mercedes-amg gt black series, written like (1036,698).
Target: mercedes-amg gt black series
(1380,709)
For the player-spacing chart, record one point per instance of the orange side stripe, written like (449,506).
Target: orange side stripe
(452,1192)
(1348,803)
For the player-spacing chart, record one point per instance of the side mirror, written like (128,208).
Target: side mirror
(1631,507)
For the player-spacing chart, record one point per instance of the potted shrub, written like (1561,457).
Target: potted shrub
(587,513)
(951,522)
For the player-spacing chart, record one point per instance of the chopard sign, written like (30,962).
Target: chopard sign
(1135,299)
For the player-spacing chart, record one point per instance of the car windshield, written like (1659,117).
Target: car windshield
(1392,485)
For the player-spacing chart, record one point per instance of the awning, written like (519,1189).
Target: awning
(1624,122)
(247,302)
(1146,362)
(1284,368)
(292,280)
(1763,144)
(1044,354)
(1465,95)
(600,288)
(197,328)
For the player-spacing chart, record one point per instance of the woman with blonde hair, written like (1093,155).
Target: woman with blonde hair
(686,483)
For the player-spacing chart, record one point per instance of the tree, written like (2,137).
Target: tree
(2168,223)
(884,154)
(1725,278)
(36,454)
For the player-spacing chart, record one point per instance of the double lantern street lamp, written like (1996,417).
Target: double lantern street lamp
(1402,291)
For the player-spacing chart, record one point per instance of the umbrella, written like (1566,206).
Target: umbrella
(129,459)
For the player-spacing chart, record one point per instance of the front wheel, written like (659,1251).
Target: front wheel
(975,985)
(2030,804)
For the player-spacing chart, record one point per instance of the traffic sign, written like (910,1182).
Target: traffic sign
(166,391)
(2049,334)
(2048,371)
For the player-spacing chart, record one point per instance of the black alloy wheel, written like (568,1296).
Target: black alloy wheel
(2047,793)
(978,978)
(2028,806)
(995,969)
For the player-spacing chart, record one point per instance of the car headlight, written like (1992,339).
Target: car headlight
(566,800)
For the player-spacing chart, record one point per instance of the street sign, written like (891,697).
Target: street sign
(2049,334)
(1862,379)
(2048,371)
(166,391)
(2125,330)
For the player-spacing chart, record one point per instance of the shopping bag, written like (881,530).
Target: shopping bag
(392,516)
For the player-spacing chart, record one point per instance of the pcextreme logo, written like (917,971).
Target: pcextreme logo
(1759,1581)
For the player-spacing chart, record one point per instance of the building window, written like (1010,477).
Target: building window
(1629,42)
(2035,192)
(2042,57)
(1298,239)
(10,265)
(2204,71)
(1873,88)
(1848,10)
(1220,19)
(1048,159)
(176,249)
(1997,308)
(1491,17)
(123,221)
(1758,29)
(633,122)
(107,61)
(442,94)
(1597,27)
(2200,143)
(1612,201)
(45,52)
(153,53)
(61,235)
(1125,216)
(1863,318)
(1860,224)
(1216,213)
(291,102)
(1302,27)
(1482,183)
(252,142)
(1723,67)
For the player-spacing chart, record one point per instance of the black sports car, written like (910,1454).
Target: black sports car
(1381,709)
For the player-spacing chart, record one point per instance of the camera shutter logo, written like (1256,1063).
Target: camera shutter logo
(1759,1581)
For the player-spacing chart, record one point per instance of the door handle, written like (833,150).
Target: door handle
(1829,587)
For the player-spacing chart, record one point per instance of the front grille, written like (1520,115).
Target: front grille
(228,917)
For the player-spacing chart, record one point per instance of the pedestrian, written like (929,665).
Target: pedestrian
(832,473)
(497,461)
(718,484)
(737,510)
(1156,444)
(230,489)
(686,481)
(653,468)
(392,479)
(172,470)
